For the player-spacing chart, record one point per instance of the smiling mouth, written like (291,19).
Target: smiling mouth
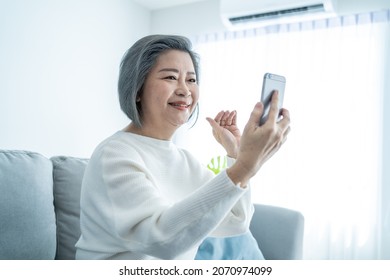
(180,105)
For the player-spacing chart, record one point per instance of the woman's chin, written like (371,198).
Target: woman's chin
(179,123)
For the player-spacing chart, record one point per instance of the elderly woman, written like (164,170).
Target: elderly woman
(143,197)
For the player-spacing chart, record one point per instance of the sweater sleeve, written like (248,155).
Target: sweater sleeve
(144,222)
(237,220)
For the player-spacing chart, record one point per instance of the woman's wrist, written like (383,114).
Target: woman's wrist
(239,174)
(232,153)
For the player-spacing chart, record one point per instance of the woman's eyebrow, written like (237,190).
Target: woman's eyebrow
(169,70)
(175,70)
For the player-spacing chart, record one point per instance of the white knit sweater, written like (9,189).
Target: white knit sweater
(144,198)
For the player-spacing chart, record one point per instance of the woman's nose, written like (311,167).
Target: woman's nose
(183,90)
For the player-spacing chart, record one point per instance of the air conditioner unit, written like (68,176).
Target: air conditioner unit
(252,13)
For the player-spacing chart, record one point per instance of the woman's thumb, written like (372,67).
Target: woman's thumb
(254,118)
(212,122)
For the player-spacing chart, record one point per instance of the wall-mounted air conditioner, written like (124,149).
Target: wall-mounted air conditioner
(251,13)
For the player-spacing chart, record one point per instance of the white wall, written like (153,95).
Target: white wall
(188,20)
(58,71)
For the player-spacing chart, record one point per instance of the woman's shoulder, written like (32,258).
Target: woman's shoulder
(133,146)
(116,145)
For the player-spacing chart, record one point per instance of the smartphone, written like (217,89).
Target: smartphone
(271,82)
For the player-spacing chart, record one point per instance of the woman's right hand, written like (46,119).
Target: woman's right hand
(259,143)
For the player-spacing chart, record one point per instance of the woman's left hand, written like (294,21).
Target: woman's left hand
(226,132)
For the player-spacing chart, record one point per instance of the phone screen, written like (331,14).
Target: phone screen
(271,82)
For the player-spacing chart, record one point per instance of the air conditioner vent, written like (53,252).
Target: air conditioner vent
(277,14)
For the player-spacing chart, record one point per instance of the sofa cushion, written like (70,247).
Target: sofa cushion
(67,174)
(27,220)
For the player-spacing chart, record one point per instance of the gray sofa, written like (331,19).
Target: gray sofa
(39,211)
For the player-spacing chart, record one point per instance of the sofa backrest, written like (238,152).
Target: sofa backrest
(27,220)
(67,177)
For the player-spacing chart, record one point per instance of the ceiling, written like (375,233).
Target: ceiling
(161,4)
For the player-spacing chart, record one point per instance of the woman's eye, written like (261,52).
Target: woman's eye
(170,78)
(192,80)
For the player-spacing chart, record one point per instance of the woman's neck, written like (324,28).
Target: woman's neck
(149,132)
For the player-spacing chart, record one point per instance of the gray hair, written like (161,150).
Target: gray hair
(136,65)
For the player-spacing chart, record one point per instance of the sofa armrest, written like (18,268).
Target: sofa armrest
(278,232)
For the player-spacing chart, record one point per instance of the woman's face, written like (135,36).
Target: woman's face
(170,92)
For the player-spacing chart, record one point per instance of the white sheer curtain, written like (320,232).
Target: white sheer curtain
(330,167)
